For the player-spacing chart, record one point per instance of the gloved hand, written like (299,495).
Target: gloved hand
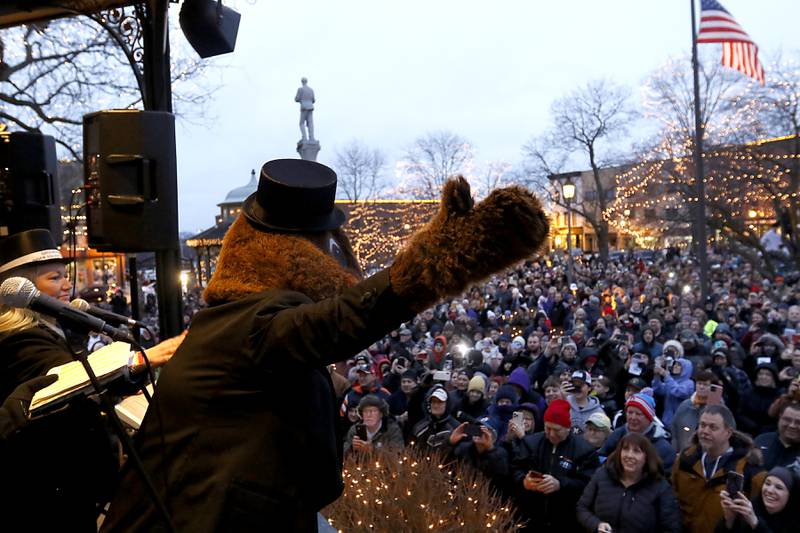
(464,244)
(14,411)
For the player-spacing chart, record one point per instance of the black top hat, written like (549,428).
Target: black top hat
(294,195)
(29,247)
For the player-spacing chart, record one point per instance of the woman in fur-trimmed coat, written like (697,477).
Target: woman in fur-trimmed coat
(246,407)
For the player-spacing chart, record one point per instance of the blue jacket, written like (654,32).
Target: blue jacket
(674,389)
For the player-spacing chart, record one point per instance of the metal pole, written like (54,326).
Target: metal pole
(700,209)
(158,91)
(570,266)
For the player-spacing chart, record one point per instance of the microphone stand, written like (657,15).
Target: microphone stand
(127,443)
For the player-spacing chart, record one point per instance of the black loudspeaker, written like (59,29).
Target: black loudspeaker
(29,184)
(130,178)
(209,26)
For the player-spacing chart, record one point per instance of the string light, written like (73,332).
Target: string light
(378,495)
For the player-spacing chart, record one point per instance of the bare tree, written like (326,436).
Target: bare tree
(585,124)
(746,181)
(360,170)
(430,160)
(492,175)
(53,73)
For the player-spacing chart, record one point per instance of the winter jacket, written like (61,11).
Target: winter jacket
(388,436)
(753,416)
(656,434)
(571,462)
(698,497)
(674,389)
(493,463)
(774,452)
(648,506)
(580,415)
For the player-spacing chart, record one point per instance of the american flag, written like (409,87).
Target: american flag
(739,51)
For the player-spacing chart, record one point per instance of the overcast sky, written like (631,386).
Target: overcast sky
(387,72)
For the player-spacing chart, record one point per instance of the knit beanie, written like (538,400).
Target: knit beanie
(644,403)
(477,383)
(785,475)
(558,413)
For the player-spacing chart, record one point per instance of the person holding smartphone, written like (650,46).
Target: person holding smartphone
(376,430)
(550,470)
(775,509)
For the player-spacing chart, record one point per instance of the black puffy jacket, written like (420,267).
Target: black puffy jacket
(648,506)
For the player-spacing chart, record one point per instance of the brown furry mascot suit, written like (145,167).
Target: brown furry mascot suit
(241,436)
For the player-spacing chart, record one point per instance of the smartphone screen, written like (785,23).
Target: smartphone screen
(535,474)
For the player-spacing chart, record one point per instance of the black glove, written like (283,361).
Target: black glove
(14,411)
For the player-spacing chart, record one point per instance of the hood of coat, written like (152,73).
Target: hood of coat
(253,261)
(687,370)
(593,403)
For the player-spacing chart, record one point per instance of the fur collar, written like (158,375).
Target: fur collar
(253,261)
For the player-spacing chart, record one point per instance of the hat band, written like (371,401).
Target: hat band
(35,257)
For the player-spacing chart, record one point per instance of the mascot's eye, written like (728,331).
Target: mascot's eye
(336,252)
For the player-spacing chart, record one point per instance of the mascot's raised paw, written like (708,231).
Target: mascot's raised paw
(463,243)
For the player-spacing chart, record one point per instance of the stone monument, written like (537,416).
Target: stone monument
(308,147)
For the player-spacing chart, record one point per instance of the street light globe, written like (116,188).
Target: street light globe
(569,190)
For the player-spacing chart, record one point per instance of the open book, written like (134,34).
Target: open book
(107,363)
(132,409)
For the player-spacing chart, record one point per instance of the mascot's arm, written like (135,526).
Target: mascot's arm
(462,244)
(334,329)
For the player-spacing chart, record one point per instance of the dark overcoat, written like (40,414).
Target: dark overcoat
(242,433)
(58,468)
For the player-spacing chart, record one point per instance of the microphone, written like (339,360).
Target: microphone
(107,316)
(21,292)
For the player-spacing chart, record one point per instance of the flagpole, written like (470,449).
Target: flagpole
(700,208)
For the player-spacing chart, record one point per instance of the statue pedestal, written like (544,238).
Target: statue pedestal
(308,150)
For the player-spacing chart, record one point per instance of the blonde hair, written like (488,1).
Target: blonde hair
(13,319)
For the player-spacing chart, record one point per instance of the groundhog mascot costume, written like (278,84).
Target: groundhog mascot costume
(241,435)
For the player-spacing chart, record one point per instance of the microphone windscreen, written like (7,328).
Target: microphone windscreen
(80,304)
(17,292)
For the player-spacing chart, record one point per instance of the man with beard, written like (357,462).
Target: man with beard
(782,447)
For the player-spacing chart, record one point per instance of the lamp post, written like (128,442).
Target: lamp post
(568,192)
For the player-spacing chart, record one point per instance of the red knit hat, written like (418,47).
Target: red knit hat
(558,413)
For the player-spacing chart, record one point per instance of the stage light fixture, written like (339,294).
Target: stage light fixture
(209,26)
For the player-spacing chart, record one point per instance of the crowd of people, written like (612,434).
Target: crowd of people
(620,402)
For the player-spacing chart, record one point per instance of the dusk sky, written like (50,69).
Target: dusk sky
(388,72)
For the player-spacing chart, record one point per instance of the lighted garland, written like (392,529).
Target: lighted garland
(416,491)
